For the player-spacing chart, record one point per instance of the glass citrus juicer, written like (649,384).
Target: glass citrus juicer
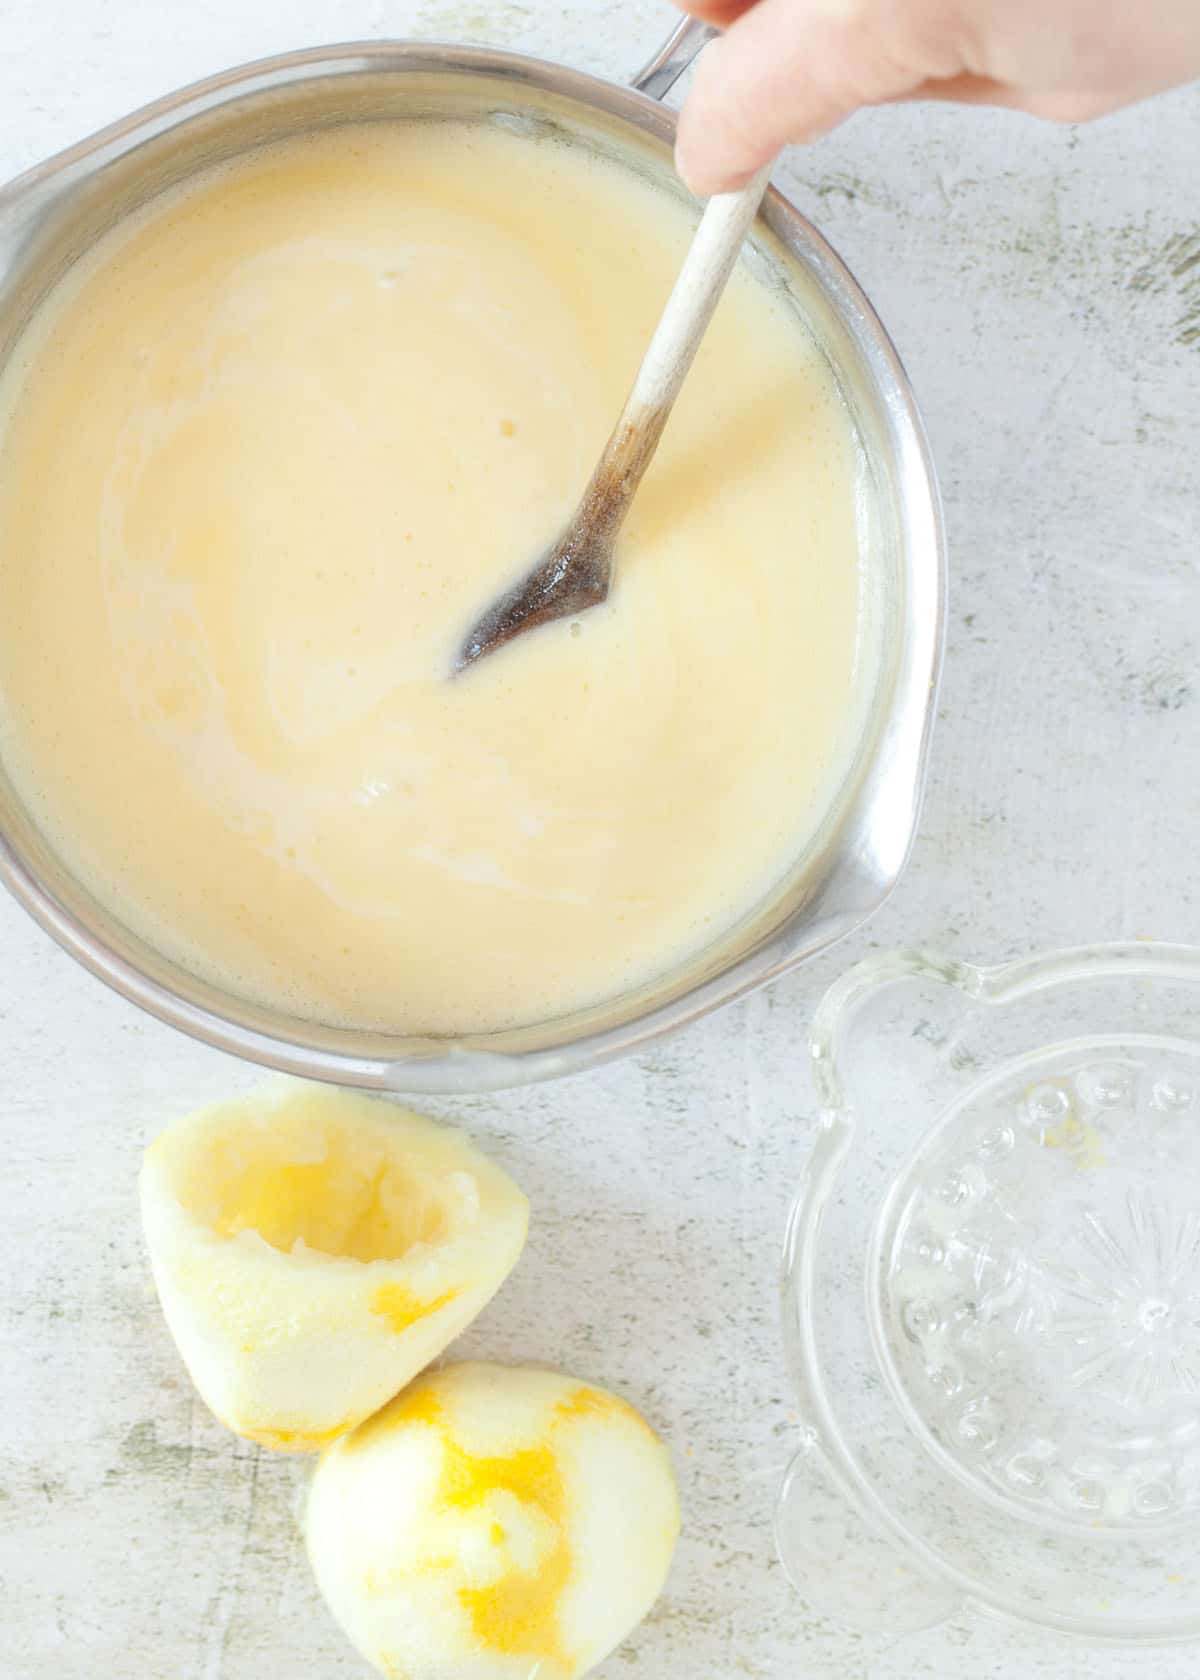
(992,1296)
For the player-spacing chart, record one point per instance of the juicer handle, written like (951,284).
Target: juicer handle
(840,1560)
(659,74)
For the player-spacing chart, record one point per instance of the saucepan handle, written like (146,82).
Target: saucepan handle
(659,74)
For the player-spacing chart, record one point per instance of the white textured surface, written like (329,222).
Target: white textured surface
(1036,283)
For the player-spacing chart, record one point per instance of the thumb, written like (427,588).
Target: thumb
(788,70)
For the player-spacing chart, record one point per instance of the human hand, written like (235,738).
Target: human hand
(793,69)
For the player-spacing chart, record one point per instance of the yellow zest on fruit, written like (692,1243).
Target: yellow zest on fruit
(485,1499)
(295,1440)
(418,1404)
(517,1614)
(402,1308)
(594,1402)
(493,1523)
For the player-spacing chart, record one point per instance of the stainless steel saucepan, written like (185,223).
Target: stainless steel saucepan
(52,214)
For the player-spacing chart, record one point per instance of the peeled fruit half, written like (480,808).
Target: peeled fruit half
(313,1250)
(493,1523)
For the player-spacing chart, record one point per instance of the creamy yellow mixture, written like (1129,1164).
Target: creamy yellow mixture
(265,456)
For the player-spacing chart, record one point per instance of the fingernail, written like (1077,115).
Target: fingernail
(700,176)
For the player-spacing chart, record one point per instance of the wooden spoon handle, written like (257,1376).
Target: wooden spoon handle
(695,295)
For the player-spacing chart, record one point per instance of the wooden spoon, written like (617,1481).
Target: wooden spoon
(577,571)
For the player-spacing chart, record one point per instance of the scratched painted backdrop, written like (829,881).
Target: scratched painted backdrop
(1044,288)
